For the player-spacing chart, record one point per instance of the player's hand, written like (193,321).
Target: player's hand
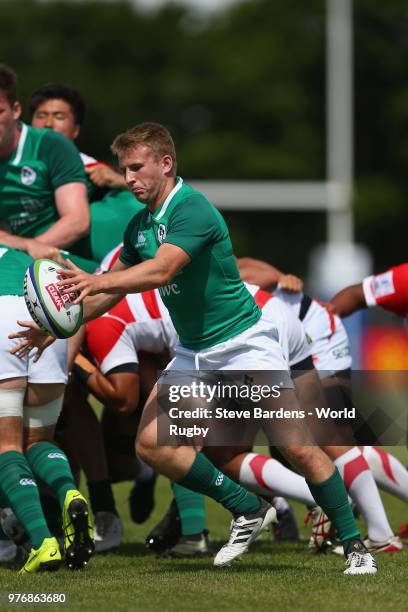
(289,282)
(38,250)
(105,176)
(78,281)
(32,337)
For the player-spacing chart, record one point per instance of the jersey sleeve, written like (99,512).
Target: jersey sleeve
(129,255)
(389,290)
(193,225)
(109,343)
(379,289)
(62,159)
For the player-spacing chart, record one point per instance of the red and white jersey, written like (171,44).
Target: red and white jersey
(388,290)
(139,322)
(292,337)
(329,342)
(109,260)
(87,160)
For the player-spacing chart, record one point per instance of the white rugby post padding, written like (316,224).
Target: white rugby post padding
(344,260)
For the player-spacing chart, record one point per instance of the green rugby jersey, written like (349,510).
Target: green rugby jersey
(43,161)
(13,266)
(207,300)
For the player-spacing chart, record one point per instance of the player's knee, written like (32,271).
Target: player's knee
(300,455)
(43,417)
(146,449)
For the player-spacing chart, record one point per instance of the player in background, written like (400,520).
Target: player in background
(174,244)
(62,109)
(389,290)
(332,358)
(43,198)
(31,397)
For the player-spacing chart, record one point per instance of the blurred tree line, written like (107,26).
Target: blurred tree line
(243,92)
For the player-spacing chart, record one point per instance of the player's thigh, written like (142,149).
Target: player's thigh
(42,408)
(12,393)
(147,431)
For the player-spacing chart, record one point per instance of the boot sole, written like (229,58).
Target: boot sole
(78,553)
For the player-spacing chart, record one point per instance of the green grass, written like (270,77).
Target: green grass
(271,576)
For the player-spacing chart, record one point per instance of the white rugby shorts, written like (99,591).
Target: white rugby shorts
(257,348)
(50,368)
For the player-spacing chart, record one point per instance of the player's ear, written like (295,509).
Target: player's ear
(167,164)
(16,108)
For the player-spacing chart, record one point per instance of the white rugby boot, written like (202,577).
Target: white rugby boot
(359,560)
(244,530)
(108,531)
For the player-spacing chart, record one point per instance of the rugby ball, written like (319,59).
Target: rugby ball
(52,311)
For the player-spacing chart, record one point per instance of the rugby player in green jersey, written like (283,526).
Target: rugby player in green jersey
(43,198)
(31,397)
(180,243)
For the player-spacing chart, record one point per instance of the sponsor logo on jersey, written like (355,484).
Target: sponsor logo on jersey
(342,352)
(170,289)
(57,456)
(161,233)
(220,479)
(28,175)
(383,285)
(141,239)
(25,482)
(59,300)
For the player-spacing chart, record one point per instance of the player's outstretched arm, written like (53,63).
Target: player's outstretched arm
(348,300)
(149,274)
(265,275)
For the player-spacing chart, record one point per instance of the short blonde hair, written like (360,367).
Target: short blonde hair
(152,135)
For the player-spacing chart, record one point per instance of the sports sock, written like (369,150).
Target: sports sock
(204,477)
(362,489)
(191,508)
(101,496)
(145,472)
(269,477)
(332,497)
(389,473)
(18,483)
(50,463)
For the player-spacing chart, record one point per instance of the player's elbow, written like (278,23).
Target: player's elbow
(83,225)
(126,407)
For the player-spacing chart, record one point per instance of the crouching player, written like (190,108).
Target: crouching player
(389,290)
(31,397)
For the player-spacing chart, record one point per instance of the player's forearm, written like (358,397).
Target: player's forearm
(349,300)
(66,231)
(16,242)
(147,275)
(258,272)
(97,305)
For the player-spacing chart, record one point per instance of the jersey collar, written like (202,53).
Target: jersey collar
(20,146)
(169,198)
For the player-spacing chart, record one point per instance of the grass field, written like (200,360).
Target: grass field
(280,576)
